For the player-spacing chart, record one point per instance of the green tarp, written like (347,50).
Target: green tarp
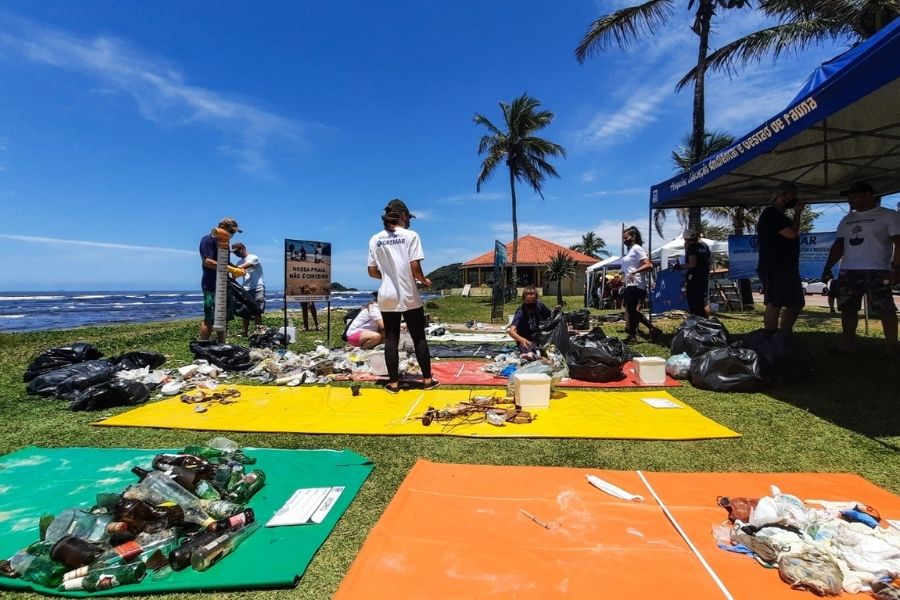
(36,481)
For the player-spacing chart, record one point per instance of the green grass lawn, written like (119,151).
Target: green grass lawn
(843,415)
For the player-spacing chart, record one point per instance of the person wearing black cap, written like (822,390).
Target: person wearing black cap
(696,276)
(209,255)
(868,246)
(778,239)
(395,257)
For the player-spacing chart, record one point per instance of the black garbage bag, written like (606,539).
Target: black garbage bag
(698,335)
(71,379)
(225,356)
(579,319)
(727,369)
(600,361)
(109,394)
(594,335)
(773,349)
(138,359)
(245,304)
(57,358)
(558,336)
(270,338)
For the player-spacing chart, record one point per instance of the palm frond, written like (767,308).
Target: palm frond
(623,27)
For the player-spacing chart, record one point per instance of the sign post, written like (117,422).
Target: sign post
(499,280)
(307,276)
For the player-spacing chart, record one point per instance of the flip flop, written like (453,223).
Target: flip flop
(430,386)
(391,390)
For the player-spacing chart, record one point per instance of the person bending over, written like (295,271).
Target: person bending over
(526,324)
(395,257)
(366,330)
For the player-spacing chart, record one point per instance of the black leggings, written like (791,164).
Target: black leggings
(415,323)
(632,297)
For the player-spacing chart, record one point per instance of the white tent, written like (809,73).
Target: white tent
(676,248)
(599,269)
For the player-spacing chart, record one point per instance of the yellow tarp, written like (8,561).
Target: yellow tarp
(576,414)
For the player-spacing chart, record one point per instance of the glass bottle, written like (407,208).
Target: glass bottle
(204,468)
(221,509)
(88,526)
(141,516)
(236,521)
(248,485)
(37,569)
(180,557)
(159,488)
(209,554)
(107,577)
(74,552)
(220,455)
(140,549)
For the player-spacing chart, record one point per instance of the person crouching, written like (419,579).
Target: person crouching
(526,324)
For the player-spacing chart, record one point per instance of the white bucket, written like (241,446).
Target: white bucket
(532,390)
(377,364)
(651,370)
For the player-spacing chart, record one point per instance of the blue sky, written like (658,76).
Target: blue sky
(127,129)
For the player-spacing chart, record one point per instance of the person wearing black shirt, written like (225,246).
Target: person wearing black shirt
(526,324)
(696,265)
(778,239)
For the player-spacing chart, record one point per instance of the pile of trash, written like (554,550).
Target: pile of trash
(322,366)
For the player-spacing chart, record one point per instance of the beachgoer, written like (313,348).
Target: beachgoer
(525,327)
(615,290)
(209,255)
(635,265)
(309,307)
(868,246)
(302,253)
(395,257)
(778,239)
(253,282)
(318,255)
(696,276)
(367,329)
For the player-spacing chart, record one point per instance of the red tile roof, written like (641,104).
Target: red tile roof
(532,251)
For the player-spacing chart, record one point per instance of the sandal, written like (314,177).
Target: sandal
(391,389)
(431,385)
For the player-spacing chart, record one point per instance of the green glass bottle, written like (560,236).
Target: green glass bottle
(215,454)
(37,569)
(107,577)
(248,485)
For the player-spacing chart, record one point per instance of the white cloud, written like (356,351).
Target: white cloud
(621,192)
(92,244)
(476,197)
(159,90)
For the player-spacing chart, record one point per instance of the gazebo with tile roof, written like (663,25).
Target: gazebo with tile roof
(534,254)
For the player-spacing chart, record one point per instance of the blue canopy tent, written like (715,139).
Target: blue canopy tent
(843,126)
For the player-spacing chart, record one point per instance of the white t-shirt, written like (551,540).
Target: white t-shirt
(253,280)
(632,262)
(366,320)
(867,238)
(391,252)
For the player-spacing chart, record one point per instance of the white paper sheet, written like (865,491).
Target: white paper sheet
(305,506)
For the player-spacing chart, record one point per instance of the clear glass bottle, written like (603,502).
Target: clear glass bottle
(107,577)
(209,554)
(87,526)
(159,488)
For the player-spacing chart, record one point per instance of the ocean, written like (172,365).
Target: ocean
(36,311)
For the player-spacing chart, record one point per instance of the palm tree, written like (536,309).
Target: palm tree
(591,244)
(524,153)
(625,26)
(802,23)
(562,266)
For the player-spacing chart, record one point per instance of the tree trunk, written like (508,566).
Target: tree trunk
(515,224)
(744,286)
(698,130)
(559,300)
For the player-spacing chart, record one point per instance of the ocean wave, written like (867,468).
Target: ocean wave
(12,316)
(191,302)
(93,297)
(20,298)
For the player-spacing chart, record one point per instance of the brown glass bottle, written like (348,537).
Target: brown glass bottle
(204,468)
(141,516)
(74,552)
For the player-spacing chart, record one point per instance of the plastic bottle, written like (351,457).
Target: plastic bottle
(209,554)
(248,485)
(159,488)
(107,578)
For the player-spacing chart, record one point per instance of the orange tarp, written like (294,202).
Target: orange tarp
(457,531)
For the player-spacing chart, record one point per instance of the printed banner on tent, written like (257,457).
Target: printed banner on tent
(667,294)
(307,270)
(743,254)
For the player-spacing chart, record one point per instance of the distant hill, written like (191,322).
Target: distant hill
(337,287)
(448,276)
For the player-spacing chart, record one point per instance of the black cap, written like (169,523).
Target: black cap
(397,205)
(858,188)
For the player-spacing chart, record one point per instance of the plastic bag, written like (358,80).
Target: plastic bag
(726,370)
(245,304)
(773,349)
(71,379)
(579,319)
(532,368)
(271,338)
(558,336)
(594,335)
(226,356)
(57,358)
(138,359)
(109,394)
(678,366)
(601,361)
(698,335)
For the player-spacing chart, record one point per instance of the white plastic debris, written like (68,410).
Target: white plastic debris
(172,388)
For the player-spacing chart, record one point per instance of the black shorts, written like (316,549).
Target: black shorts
(782,289)
(697,297)
(853,284)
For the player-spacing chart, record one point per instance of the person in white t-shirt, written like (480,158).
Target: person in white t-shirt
(395,257)
(635,265)
(367,329)
(253,282)
(868,246)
